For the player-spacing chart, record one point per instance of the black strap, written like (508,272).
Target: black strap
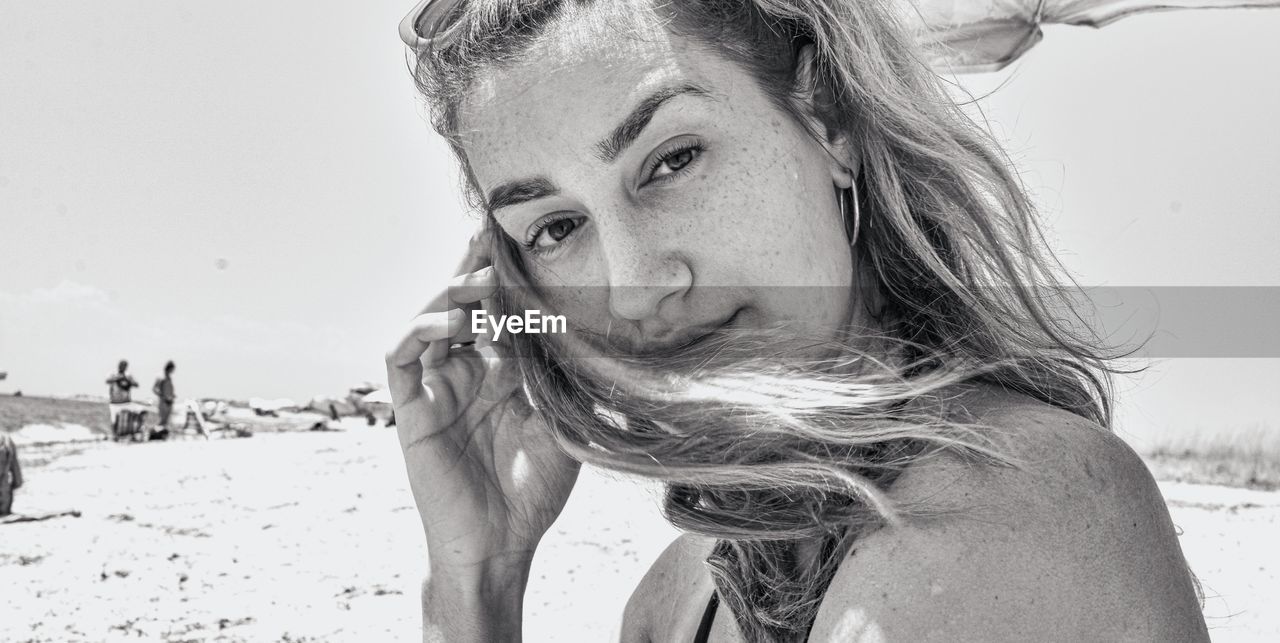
(708,617)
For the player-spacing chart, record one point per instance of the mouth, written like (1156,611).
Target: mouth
(697,337)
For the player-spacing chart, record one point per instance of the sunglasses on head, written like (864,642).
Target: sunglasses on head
(426,23)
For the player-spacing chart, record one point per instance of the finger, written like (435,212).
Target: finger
(465,295)
(436,353)
(472,287)
(404,365)
(475,259)
(466,288)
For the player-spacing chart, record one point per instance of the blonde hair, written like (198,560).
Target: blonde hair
(763,451)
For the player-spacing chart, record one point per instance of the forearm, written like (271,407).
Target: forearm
(475,605)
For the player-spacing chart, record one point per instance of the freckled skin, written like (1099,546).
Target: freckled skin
(754,210)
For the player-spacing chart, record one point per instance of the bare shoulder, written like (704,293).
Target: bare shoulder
(663,596)
(1074,544)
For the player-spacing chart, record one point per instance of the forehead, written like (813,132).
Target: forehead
(577,80)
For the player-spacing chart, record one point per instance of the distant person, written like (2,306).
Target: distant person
(10,473)
(121,384)
(163,389)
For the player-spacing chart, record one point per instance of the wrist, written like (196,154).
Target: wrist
(493,578)
(475,602)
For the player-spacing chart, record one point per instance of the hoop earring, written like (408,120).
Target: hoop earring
(852,233)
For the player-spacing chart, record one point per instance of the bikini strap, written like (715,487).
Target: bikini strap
(708,617)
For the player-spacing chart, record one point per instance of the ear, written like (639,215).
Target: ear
(817,106)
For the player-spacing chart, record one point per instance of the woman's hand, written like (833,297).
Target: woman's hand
(485,472)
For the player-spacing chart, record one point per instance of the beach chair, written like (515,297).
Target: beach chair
(208,425)
(129,423)
(194,416)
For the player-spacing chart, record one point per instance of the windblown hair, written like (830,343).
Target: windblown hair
(757,449)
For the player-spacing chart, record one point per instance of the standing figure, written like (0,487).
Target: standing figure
(120,383)
(10,473)
(163,389)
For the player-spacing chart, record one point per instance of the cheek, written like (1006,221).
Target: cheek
(575,290)
(584,308)
(786,226)
(790,247)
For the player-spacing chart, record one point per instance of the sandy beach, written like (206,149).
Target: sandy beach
(312,536)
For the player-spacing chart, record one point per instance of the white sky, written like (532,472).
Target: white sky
(249,188)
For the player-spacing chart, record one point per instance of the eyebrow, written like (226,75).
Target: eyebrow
(607,150)
(516,192)
(629,130)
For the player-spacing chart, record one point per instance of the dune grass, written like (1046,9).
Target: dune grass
(17,412)
(1246,457)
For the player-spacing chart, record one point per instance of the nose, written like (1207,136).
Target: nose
(643,276)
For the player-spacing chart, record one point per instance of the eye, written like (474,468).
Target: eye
(673,159)
(550,232)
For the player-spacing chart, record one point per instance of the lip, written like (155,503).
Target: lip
(687,339)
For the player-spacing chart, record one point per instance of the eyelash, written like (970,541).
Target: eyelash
(532,244)
(671,152)
(666,155)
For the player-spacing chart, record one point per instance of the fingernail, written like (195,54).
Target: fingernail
(455,315)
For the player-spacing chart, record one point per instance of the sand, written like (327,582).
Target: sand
(314,537)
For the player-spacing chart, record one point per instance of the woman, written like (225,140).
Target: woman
(803,291)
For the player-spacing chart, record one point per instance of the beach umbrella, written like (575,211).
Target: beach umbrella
(967,36)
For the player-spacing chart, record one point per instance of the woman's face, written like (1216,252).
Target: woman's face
(656,191)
